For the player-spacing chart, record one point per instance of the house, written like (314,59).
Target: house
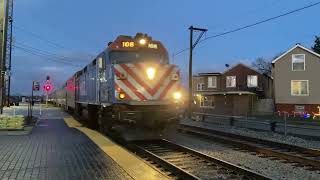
(297,80)
(236,91)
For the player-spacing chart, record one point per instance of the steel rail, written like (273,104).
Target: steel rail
(153,149)
(290,153)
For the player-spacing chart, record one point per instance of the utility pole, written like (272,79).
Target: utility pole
(4,23)
(192,46)
(9,48)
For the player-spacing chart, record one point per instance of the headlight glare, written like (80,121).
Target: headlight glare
(177,95)
(142,41)
(151,72)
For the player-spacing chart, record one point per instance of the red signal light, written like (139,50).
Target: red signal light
(47,87)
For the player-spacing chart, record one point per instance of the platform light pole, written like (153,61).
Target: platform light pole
(192,46)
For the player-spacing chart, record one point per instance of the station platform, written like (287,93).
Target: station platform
(58,147)
(134,166)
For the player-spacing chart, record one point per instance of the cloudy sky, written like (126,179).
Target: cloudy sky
(59,37)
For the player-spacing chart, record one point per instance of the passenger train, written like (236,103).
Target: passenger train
(131,83)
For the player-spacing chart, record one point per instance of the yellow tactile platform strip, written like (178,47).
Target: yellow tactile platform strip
(134,166)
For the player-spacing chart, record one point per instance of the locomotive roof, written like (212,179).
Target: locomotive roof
(131,43)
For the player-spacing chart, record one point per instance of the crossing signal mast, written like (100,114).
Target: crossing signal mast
(47,88)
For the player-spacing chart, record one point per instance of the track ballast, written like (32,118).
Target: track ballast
(300,156)
(184,163)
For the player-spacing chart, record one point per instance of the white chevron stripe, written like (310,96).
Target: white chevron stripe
(165,84)
(141,89)
(172,90)
(127,90)
(160,70)
(162,87)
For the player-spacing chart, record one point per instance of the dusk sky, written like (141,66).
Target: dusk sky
(76,31)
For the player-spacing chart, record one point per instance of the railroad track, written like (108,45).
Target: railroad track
(181,162)
(298,156)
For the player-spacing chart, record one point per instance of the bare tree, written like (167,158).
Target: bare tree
(316,46)
(262,65)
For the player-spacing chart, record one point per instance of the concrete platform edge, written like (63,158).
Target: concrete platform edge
(134,166)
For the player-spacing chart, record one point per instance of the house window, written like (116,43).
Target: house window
(231,81)
(212,82)
(200,86)
(252,80)
(300,88)
(207,101)
(298,62)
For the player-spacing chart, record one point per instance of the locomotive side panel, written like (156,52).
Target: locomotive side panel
(71,88)
(91,83)
(106,83)
(61,96)
(82,90)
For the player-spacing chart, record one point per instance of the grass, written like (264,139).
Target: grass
(11,122)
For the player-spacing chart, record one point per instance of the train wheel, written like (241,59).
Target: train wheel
(105,120)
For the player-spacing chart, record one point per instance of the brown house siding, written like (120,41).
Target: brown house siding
(291,107)
(241,72)
(229,105)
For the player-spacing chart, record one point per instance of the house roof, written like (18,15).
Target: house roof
(233,66)
(242,65)
(296,46)
(209,74)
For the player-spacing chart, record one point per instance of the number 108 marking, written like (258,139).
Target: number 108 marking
(128,44)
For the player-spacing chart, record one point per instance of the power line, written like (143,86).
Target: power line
(43,54)
(48,57)
(64,58)
(40,38)
(251,25)
(49,42)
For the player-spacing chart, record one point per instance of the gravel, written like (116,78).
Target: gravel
(259,134)
(274,169)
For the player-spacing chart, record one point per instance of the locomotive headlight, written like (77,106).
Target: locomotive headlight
(177,96)
(122,95)
(151,72)
(142,41)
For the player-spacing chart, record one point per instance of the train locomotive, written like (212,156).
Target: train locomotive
(131,83)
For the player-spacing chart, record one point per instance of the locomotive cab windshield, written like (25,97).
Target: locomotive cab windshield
(118,57)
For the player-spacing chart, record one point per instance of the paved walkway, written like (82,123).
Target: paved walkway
(55,151)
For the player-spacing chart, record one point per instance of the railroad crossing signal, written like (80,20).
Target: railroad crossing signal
(47,87)
(36,86)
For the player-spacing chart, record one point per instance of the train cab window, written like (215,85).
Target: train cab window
(127,57)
